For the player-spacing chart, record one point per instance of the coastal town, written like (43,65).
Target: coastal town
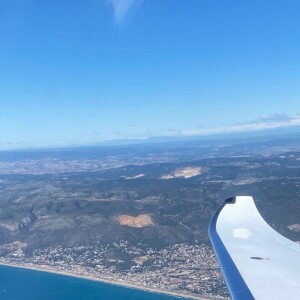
(188,270)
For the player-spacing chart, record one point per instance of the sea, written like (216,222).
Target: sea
(25,284)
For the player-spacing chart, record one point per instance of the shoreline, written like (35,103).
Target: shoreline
(110,281)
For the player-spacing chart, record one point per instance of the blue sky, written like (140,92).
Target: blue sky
(84,71)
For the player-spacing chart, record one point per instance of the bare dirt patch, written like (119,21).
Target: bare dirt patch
(183,173)
(139,221)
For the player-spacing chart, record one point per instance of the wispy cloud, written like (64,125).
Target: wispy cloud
(280,117)
(264,122)
(122,8)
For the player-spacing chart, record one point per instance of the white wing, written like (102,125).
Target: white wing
(257,262)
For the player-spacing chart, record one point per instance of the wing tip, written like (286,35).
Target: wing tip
(237,287)
(230,200)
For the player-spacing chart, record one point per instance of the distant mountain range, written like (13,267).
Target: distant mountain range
(236,137)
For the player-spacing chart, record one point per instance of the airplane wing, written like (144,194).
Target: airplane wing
(257,262)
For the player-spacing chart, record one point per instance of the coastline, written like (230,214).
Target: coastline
(110,281)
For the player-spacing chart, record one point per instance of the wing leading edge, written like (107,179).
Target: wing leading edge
(257,262)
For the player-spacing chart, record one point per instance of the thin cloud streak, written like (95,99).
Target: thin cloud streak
(264,123)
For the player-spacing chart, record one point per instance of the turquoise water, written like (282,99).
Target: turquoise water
(23,284)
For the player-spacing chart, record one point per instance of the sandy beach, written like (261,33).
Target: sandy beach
(110,281)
